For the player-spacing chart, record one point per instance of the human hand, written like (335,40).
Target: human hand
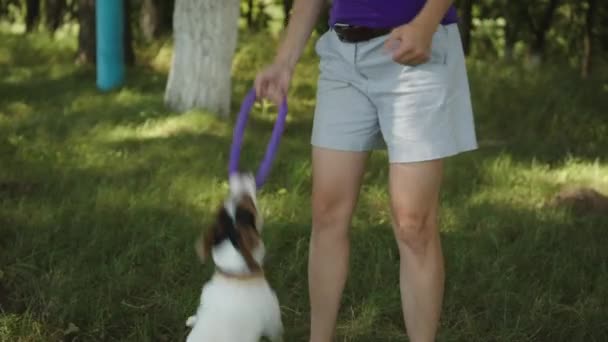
(410,44)
(273,82)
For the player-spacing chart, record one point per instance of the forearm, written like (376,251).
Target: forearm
(432,13)
(301,23)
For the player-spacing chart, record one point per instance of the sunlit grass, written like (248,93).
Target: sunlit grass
(190,123)
(103,194)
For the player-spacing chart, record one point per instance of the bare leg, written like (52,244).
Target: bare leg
(337,179)
(414,189)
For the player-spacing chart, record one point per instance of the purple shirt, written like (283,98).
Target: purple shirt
(381,13)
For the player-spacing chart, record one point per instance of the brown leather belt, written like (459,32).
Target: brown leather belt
(356,34)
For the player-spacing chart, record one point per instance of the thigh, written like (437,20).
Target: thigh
(413,113)
(422,110)
(337,177)
(345,119)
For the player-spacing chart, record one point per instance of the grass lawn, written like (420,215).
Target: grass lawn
(102,196)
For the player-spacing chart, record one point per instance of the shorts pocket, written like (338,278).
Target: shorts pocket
(321,44)
(439,46)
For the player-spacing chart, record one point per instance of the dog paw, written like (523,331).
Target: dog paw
(191,321)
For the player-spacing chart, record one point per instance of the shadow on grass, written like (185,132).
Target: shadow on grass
(514,274)
(73,100)
(517,112)
(19,50)
(135,267)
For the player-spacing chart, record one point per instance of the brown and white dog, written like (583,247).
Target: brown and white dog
(237,304)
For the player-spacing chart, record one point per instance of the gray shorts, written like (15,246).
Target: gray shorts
(367,101)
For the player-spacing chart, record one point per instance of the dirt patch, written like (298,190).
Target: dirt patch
(582,201)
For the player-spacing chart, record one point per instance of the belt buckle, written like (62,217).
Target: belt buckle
(341,25)
(339,29)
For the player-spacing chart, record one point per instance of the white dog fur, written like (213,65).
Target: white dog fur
(240,308)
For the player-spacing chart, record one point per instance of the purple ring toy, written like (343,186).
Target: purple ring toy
(239,132)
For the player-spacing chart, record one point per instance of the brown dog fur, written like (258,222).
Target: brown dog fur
(248,236)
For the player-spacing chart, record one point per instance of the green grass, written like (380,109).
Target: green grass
(102,196)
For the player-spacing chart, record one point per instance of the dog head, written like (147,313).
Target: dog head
(234,239)
(243,193)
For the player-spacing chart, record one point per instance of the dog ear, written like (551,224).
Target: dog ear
(202,249)
(249,237)
(247,243)
(204,244)
(214,234)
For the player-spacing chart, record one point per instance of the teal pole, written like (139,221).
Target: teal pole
(109,21)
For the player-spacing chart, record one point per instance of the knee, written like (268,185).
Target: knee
(414,230)
(330,215)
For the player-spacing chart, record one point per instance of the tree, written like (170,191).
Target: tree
(55,10)
(86,34)
(287,6)
(166,8)
(5,9)
(149,19)
(539,29)
(466,15)
(32,14)
(205,36)
(250,14)
(514,13)
(588,38)
(155,18)
(128,35)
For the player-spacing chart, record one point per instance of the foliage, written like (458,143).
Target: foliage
(501,28)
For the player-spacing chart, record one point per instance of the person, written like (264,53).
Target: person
(392,75)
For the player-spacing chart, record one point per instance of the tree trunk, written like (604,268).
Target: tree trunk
(287,6)
(261,17)
(54,14)
(250,14)
(128,35)
(32,14)
(149,19)
(72,9)
(466,25)
(205,35)
(540,32)
(513,15)
(588,39)
(510,39)
(537,49)
(3,9)
(86,34)
(166,9)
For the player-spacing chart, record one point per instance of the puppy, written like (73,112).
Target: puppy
(237,304)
